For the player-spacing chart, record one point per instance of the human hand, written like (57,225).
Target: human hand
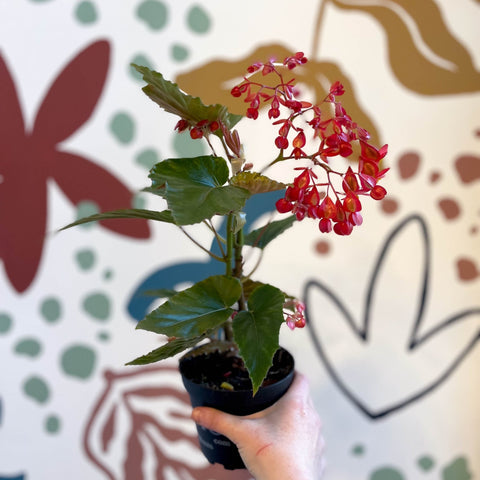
(281,442)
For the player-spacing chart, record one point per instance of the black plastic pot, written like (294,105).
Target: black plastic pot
(217,448)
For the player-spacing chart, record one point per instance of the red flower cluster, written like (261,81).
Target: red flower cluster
(294,312)
(334,201)
(199,129)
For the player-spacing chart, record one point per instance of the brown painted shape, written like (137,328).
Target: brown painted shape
(416,71)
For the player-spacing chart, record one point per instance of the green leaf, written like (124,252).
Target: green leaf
(256,331)
(261,237)
(204,306)
(194,188)
(169,96)
(160,293)
(165,216)
(255,182)
(168,350)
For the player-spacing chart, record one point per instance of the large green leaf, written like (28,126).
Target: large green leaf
(169,96)
(262,236)
(191,312)
(256,331)
(194,188)
(168,350)
(165,216)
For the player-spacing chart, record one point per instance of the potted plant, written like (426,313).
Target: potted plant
(235,319)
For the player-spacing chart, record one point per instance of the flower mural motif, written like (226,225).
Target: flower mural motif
(30,158)
(140,428)
(420,358)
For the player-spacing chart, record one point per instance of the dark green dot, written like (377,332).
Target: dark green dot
(107,274)
(51,310)
(37,389)
(97,305)
(86,208)
(147,158)
(154,13)
(185,146)
(179,53)
(85,258)
(103,336)
(78,361)
(457,470)
(86,12)
(52,424)
(6,323)
(122,127)
(426,463)
(387,473)
(358,450)
(198,20)
(28,347)
(142,61)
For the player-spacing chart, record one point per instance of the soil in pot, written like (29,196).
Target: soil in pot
(214,376)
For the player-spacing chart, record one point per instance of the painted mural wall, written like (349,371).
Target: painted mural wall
(391,345)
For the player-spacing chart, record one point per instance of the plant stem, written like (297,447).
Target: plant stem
(216,257)
(238,269)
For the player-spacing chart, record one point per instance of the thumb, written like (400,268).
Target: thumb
(220,422)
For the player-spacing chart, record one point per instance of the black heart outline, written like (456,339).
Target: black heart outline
(415,339)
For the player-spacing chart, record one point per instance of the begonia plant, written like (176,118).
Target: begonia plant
(334,166)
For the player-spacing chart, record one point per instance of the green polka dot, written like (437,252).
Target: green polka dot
(6,323)
(154,13)
(386,473)
(457,470)
(179,53)
(139,201)
(86,208)
(107,274)
(78,361)
(28,347)
(97,305)
(122,127)
(103,336)
(358,450)
(147,158)
(52,424)
(426,463)
(85,259)
(185,146)
(198,20)
(86,12)
(36,388)
(51,310)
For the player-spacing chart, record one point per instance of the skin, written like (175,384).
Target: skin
(282,442)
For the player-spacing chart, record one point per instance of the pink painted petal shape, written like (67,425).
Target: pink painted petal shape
(82,180)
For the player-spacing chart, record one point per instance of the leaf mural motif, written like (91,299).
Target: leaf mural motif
(214,80)
(427,58)
(142,417)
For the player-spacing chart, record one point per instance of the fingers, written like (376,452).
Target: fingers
(217,421)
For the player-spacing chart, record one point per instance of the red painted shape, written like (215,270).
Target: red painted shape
(29,159)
